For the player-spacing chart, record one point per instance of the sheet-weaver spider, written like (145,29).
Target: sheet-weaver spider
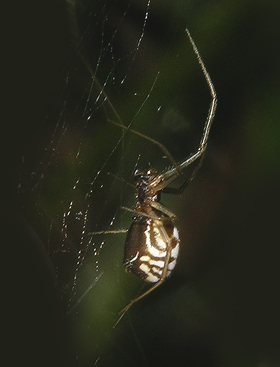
(152,242)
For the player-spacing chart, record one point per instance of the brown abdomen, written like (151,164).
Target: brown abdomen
(147,246)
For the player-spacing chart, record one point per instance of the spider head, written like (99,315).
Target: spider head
(146,176)
(146,184)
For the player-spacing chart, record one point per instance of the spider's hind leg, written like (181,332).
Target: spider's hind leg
(160,145)
(179,190)
(153,287)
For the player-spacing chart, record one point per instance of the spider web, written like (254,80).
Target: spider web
(126,64)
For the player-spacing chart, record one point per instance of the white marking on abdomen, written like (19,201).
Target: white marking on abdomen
(152,278)
(172,265)
(147,234)
(159,241)
(156,253)
(176,233)
(145,268)
(145,258)
(175,251)
(157,271)
(135,257)
(158,263)
(168,273)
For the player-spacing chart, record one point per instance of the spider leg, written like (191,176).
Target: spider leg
(158,206)
(131,303)
(162,279)
(172,174)
(160,145)
(121,180)
(117,231)
(181,189)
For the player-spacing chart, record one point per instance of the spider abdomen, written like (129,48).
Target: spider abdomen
(146,248)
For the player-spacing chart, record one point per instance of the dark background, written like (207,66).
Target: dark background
(222,309)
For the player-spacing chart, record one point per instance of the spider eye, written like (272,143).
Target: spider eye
(138,175)
(142,174)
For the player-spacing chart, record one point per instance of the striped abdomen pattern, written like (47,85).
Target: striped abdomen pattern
(147,246)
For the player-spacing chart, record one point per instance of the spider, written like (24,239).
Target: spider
(152,242)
